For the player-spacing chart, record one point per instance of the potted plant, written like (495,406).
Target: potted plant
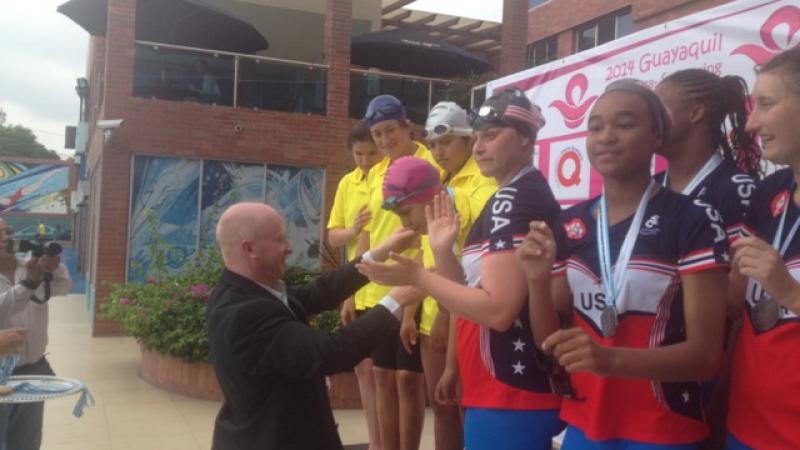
(167,317)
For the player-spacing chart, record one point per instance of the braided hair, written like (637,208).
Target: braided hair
(724,98)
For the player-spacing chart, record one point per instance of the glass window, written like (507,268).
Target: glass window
(543,51)
(587,38)
(535,3)
(602,30)
(624,24)
(606,27)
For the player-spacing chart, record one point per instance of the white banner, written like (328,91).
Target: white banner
(729,39)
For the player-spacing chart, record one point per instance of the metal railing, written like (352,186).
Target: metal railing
(179,73)
(418,94)
(477,95)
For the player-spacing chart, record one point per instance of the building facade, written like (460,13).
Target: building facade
(559,28)
(163,121)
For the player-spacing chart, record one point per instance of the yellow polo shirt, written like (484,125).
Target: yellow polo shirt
(478,188)
(461,201)
(352,194)
(384,223)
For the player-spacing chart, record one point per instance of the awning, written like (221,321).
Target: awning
(411,52)
(193,23)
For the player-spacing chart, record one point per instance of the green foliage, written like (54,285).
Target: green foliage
(326,320)
(168,314)
(16,140)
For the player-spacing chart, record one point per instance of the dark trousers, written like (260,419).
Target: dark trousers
(21,423)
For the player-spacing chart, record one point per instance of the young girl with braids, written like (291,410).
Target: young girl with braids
(708,162)
(704,161)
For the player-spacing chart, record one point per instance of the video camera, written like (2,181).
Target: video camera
(36,248)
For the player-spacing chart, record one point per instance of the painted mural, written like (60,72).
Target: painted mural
(34,188)
(297,193)
(177,202)
(164,215)
(225,183)
(27,226)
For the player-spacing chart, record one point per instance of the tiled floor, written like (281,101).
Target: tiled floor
(131,414)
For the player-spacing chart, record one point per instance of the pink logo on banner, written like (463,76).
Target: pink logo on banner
(776,24)
(573,110)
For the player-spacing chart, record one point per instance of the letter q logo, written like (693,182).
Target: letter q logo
(569,167)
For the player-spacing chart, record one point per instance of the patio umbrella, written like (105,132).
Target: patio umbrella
(91,15)
(412,52)
(193,23)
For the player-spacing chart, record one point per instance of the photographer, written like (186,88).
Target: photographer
(25,288)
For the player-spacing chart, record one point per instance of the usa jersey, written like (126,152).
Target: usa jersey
(499,370)
(678,235)
(765,391)
(729,190)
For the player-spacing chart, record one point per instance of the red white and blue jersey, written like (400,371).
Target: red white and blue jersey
(729,190)
(499,370)
(679,235)
(765,391)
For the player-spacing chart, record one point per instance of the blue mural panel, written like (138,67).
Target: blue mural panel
(34,188)
(297,193)
(164,214)
(226,183)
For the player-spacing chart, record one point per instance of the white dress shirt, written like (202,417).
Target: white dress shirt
(17,310)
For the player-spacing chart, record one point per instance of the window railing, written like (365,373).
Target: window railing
(418,94)
(477,95)
(178,73)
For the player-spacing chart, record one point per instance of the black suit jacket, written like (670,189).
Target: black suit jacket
(271,364)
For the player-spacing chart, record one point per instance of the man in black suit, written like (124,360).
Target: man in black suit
(270,363)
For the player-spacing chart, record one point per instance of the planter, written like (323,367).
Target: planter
(196,380)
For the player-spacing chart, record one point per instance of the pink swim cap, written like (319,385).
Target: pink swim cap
(409,180)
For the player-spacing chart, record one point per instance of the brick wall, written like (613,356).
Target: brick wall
(512,39)
(560,17)
(200,131)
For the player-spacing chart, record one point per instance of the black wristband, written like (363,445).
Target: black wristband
(30,284)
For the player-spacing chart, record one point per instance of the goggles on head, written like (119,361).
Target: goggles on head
(490,115)
(444,129)
(394,202)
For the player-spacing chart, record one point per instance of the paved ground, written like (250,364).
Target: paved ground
(131,414)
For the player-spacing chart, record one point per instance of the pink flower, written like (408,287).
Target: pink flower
(199,290)
(125,301)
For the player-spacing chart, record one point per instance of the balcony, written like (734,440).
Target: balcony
(177,73)
(185,74)
(418,94)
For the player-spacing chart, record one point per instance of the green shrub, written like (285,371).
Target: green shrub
(168,314)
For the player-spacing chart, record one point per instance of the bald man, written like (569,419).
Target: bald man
(270,363)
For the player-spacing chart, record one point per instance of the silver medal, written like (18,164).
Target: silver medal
(765,314)
(608,321)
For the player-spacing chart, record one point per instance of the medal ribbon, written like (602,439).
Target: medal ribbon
(776,240)
(613,281)
(707,168)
